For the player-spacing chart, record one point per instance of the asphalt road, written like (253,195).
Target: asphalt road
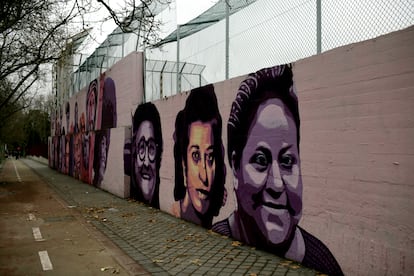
(40,234)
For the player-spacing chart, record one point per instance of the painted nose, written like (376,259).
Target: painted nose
(202,172)
(274,180)
(146,157)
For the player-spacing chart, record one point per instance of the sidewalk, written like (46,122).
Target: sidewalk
(160,243)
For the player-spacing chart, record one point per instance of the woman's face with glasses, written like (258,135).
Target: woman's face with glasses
(145,151)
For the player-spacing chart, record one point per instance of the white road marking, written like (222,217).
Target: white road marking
(17,172)
(44,259)
(36,234)
(32,217)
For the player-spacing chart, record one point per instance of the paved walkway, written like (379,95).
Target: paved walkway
(158,242)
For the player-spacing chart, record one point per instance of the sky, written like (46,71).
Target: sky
(188,9)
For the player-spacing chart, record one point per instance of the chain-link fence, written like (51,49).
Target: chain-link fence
(259,33)
(270,32)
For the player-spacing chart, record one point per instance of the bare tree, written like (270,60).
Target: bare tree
(35,32)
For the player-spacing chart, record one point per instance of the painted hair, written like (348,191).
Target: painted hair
(148,112)
(109,115)
(99,136)
(67,108)
(93,87)
(201,105)
(267,83)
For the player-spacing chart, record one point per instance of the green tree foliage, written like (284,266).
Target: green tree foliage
(27,128)
(32,33)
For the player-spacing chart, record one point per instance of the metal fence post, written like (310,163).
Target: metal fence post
(318,27)
(178,59)
(227,39)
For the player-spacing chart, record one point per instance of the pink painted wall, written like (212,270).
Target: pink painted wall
(357,151)
(356,105)
(128,82)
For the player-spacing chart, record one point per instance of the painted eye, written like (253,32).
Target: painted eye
(259,161)
(151,148)
(141,147)
(210,159)
(287,161)
(196,156)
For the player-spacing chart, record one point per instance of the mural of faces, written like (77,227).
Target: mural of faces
(62,163)
(108,118)
(82,123)
(88,142)
(78,155)
(198,152)
(146,154)
(263,139)
(91,103)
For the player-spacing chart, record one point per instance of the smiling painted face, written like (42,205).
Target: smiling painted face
(201,165)
(144,159)
(268,181)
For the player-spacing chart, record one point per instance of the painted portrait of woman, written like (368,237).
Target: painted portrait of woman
(199,158)
(108,117)
(91,104)
(263,152)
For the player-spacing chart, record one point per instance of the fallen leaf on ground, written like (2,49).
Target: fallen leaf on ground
(157,261)
(113,269)
(127,215)
(285,263)
(236,243)
(196,262)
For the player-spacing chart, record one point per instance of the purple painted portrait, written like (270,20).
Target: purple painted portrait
(91,104)
(199,159)
(263,152)
(102,137)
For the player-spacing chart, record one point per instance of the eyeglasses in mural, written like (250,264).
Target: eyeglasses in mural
(147,147)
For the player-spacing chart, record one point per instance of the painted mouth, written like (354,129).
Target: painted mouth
(145,176)
(274,205)
(145,173)
(203,194)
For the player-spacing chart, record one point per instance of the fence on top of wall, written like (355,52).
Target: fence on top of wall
(268,32)
(264,33)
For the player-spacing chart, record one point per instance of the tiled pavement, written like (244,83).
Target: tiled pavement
(160,243)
